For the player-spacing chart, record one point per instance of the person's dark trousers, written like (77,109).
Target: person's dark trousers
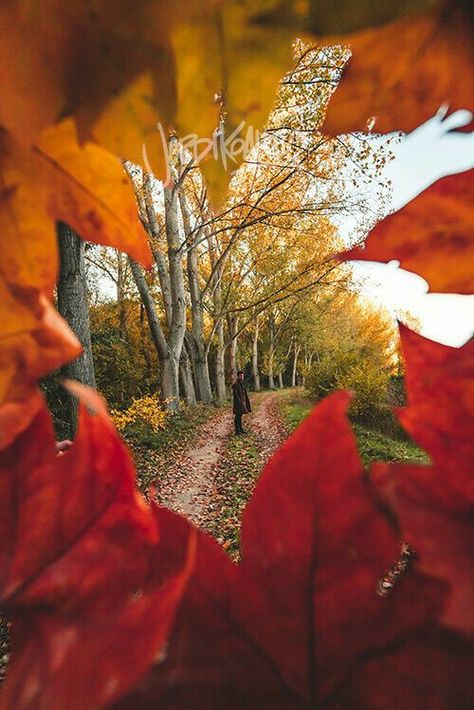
(238,424)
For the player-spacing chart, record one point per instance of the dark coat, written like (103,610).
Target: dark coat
(241,402)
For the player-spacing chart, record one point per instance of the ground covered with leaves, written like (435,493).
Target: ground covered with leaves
(199,468)
(4,647)
(153,452)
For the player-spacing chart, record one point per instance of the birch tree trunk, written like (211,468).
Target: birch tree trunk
(280,380)
(73,306)
(308,363)
(199,350)
(296,352)
(158,249)
(221,389)
(220,363)
(233,323)
(169,373)
(271,353)
(178,295)
(170,273)
(120,297)
(255,370)
(144,349)
(186,377)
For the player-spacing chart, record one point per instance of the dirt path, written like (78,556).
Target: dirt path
(266,425)
(188,485)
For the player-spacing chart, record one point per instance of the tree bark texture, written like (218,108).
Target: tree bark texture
(271,352)
(73,306)
(255,370)
(296,352)
(199,350)
(186,377)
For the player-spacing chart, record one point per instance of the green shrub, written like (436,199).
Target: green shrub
(369,382)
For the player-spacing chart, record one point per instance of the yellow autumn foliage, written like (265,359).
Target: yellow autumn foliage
(143,410)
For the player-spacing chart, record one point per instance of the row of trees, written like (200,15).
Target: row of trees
(242,284)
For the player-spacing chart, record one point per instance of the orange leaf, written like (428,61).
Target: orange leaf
(87,187)
(55,180)
(65,58)
(401,73)
(431,236)
(41,342)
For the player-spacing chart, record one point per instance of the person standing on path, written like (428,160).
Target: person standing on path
(241,402)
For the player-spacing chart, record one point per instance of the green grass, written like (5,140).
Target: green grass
(295,405)
(373,445)
(295,413)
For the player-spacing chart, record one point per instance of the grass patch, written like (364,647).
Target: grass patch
(373,445)
(295,413)
(295,405)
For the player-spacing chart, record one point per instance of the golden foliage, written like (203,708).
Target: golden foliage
(145,410)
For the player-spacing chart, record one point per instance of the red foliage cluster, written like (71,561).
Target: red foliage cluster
(114,601)
(83,567)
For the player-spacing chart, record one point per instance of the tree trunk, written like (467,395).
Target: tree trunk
(158,250)
(144,349)
(170,384)
(296,352)
(220,363)
(156,330)
(172,286)
(168,362)
(280,380)
(233,329)
(201,365)
(186,378)
(255,370)
(238,361)
(201,371)
(121,298)
(178,295)
(271,352)
(73,306)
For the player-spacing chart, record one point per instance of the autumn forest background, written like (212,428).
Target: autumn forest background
(186,190)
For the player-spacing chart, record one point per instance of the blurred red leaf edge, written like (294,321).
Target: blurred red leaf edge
(84,570)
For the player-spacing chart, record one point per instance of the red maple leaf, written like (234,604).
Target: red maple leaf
(436,503)
(432,236)
(83,578)
(290,625)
